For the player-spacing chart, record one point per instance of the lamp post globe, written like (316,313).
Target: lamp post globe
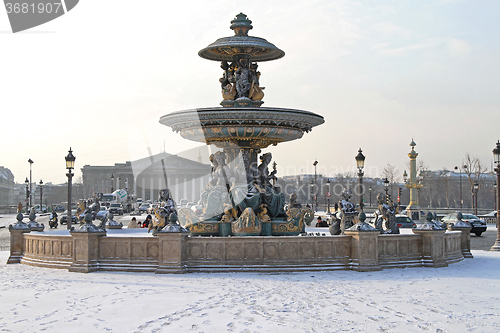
(496,159)
(70,165)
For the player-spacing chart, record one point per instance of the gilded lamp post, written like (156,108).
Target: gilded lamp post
(413,208)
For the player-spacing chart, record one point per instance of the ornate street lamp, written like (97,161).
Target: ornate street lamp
(386,185)
(475,187)
(112,181)
(41,191)
(27,194)
(30,161)
(405,176)
(70,165)
(328,194)
(360,163)
(496,159)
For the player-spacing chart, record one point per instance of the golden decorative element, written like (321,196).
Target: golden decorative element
(158,221)
(229,92)
(79,210)
(204,228)
(296,219)
(262,216)
(230,214)
(256,92)
(19,207)
(247,223)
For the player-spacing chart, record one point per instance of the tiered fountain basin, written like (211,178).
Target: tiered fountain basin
(256,127)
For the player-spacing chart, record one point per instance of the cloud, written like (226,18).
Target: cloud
(458,47)
(403,51)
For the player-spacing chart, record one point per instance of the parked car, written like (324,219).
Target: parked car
(37,209)
(143,207)
(478,225)
(59,208)
(151,208)
(403,221)
(64,217)
(422,213)
(102,213)
(116,208)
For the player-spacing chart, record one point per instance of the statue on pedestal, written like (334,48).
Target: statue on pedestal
(385,217)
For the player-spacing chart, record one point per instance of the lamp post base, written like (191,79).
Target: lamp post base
(496,246)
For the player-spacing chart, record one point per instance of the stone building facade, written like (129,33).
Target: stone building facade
(6,187)
(143,178)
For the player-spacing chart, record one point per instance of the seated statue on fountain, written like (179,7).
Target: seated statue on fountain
(385,216)
(216,193)
(240,81)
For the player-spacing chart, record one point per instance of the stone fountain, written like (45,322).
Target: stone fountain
(241,195)
(240,200)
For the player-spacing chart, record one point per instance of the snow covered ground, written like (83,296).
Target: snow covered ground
(464,297)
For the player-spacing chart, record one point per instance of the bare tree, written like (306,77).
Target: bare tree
(392,174)
(474,170)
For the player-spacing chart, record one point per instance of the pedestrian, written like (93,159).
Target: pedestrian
(133,223)
(148,220)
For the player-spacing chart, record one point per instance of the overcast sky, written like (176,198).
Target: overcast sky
(380,72)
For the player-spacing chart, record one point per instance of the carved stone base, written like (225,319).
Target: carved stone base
(364,250)
(465,240)
(86,251)
(433,249)
(17,243)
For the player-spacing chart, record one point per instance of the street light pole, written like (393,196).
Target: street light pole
(41,193)
(476,188)
(495,192)
(460,173)
(312,195)
(27,194)
(30,161)
(70,164)
(370,189)
(316,187)
(386,185)
(496,158)
(112,181)
(360,163)
(328,195)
